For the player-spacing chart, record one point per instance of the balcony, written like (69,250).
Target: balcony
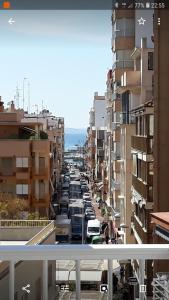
(116,135)
(115,96)
(7,175)
(42,146)
(131,80)
(140,187)
(115,125)
(11,148)
(126,118)
(137,226)
(123,64)
(122,41)
(122,13)
(142,143)
(77,253)
(115,156)
(116,166)
(22,174)
(117,105)
(115,185)
(41,202)
(41,173)
(100,152)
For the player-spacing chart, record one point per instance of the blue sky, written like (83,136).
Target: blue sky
(65,55)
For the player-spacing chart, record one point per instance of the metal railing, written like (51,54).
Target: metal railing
(161,286)
(78,253)
(24,223)
(123,64)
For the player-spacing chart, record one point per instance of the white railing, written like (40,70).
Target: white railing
(24,223)
(161,286)
(77,253)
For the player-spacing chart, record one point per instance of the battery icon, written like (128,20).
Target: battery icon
(147,4)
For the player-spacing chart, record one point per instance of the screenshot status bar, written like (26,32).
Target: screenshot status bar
(81,4)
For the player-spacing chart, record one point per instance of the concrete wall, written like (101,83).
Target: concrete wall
(18,234)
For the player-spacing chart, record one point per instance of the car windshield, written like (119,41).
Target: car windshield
(94,229)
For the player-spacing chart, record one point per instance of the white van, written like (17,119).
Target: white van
(93,228)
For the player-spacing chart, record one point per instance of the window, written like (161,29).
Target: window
(137,126)
(150,61)
(22,162)
(135,164)
(150,125)
(139,168)
(22,189)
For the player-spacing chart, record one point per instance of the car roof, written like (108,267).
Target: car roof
(95,222)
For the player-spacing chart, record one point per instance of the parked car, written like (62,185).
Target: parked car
(87,198)
(90,214)
(86,195)
(84,188)
(87,204)
(88,210)
(65,194)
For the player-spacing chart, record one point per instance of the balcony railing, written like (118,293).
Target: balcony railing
(78,253)
(142,143)
(115,185)
(161,286)
(123,64)
(24,223)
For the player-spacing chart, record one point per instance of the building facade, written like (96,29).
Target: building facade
(29,156)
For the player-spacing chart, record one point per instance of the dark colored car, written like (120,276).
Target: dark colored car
(77,232)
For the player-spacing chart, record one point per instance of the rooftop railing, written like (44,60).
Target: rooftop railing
(78,253)
(24,223)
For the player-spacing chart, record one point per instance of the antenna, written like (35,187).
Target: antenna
(17,96)
(42,105)
(29,103)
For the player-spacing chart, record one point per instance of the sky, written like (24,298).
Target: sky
(65,56)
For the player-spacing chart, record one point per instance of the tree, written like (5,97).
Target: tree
(12,207)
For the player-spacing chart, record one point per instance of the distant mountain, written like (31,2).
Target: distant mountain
(76,130)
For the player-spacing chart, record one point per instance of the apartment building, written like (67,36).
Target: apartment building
(28,233)
(133,168)
(54,127)
(160,215)
(108,139)
(123,29)
(96,135)
(27,158)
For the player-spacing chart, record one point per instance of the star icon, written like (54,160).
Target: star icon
(141,21)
